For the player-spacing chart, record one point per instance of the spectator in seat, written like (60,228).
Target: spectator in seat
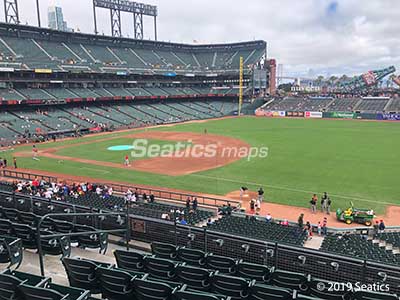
(381,226)
(195,204)
(188,202)
(268,218)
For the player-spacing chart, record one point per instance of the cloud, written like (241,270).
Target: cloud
(328,36)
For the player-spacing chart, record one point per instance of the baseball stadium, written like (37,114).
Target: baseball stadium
(136,169)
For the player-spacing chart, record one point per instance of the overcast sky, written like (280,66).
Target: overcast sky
(308,37)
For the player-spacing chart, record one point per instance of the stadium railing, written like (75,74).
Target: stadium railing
(122,188)
(318,264)
(28,176)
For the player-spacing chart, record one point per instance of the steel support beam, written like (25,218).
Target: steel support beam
(38,12)
(11,11)
(137,9)
(138,26)
(115,22)
(95,17)
(155,28)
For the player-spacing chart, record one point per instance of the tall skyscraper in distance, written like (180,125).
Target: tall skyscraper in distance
(56,18)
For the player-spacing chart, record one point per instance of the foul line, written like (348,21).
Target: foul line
(289,189)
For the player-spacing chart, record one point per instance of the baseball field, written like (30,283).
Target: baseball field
(351,160)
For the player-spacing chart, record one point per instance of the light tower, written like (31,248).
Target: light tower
(11,11)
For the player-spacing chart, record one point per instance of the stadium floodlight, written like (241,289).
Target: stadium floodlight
(137,9)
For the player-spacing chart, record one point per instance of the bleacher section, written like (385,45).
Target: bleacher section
(343,104)
(372,105)
(47,50)
(394,105)
(261,230)
(363,105)
(359,246)
(17,123)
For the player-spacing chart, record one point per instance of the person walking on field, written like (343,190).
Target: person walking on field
(35,152)
(300,221)
(328,206)
(313,203)
(324,200)
(261,194)
(126,161)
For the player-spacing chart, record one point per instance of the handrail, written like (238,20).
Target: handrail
(122,188)
(41,220)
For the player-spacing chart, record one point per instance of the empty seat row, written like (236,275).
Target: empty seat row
(23,225)
(16,285)
(11,251)
(195,283)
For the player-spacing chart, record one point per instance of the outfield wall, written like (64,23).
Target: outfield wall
(328,115)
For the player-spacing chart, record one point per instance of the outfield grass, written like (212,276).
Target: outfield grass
(351,160)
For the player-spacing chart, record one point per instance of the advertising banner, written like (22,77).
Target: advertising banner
(388,117)
(295,114)
(270,113)
(339,115)
(313,114)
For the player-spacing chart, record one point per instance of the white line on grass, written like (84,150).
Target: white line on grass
(96,170)
(290,189)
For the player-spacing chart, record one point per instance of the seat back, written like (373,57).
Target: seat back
(27,234)
(191,256)
(194,295)
(82,274)
(365,295)
(290,280)
(10,214)
(194,277)
(28,218)
(159,267)
(129,260)
(6,228)
(38,293)
(115,284)
(164,250)
(63,226)
(55,245)
(151,290)
(91,241)
(8,286)
(235,287)
(11,251)
(256,272)
(223,264)
(263,291)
